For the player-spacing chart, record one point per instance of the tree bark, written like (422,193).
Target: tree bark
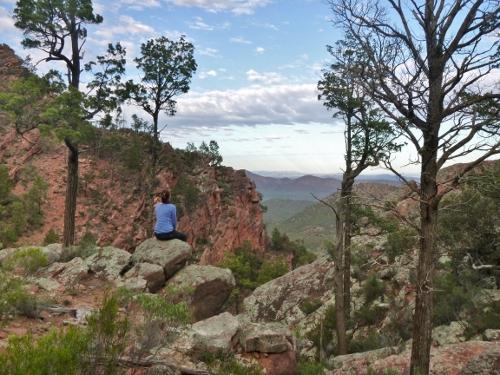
(154,148)
(338,256)
(71,194)
(347,247)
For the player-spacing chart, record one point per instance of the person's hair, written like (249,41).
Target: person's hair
(164,196)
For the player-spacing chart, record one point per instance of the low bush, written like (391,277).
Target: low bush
(14,299)
(28,260)
(51,237)
(400,242)
(307,367)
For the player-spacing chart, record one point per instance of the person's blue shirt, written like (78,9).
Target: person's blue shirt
(166,217)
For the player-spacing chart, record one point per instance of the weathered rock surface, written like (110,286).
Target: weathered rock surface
(206,287)
(266,338)
(53,252)
(462,358)
(279,363)
(492,335)
(151,276)
(448,334)
(215,334)
(108,262)
(68,274)
(281,299)
(170,255)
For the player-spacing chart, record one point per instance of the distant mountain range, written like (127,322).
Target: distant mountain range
(301,188)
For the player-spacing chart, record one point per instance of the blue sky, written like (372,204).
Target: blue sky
(258,65)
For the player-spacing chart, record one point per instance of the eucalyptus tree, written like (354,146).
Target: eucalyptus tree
(166,68)
(58,28)
(369,140)
(430,67)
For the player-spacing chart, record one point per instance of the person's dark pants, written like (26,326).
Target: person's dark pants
(174,235)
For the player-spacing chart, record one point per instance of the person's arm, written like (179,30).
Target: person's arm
(174,217)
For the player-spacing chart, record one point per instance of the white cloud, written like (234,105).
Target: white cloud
(265,77)
(125,25)
(6,21)
(210,52)
(139,5)
(239,40)
(237,7)
(259,105)
(207,74)
(260,50)
(198,24)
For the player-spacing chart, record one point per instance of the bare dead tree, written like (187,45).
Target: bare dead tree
(431,67)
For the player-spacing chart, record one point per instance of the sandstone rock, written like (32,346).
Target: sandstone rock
(448,334)
(206,287)
(68,274)
(49,285)
(486,363)
(343,362)
(492,335)
(108,262)
(279,363)
(162,370)
(136,284)
(215,334)
(281,298)
(170,255)
(265,338)
(153,274)
(53,252)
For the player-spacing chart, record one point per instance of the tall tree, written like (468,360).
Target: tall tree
(430,66)
(167,68)
(369,139)
(58,28)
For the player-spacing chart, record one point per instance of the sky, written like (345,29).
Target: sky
(254,93)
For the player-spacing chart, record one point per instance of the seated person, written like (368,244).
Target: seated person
(166,218)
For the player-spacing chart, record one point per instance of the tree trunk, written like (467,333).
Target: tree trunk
(154,148)
(422,319)
(347,248)
(338,255)
(71,193)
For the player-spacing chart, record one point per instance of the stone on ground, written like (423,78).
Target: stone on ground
(108,262)
(206,287)
(215,334)
(265,338)
(152,274)
(170,255)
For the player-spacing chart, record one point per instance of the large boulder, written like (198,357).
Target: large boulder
(266,338)
(151,276)
(170,255)
(215,334)
(68,274)
(283,299)
(108,261)
(53,252)
(206,288)
(448,334)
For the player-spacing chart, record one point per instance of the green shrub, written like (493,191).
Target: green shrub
(373,289)
(373,340)
(85,248)
(310,305)
(186,193)
(400,242)
(450,299)
(271,270)
(280,242)
(14,299)
(29,259)
(51,237)
(307,367)
(324,331)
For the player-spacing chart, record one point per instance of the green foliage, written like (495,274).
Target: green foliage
(307,367)
(324,331)
(211,153)
(186,193)
(56,353)
(310,305)
(14,299)
(159,307)
(33,200)
(271,270)
(400,242)
(51,237)
(280,242)
(85,248)
(373,289)
(371,341)
(28,259)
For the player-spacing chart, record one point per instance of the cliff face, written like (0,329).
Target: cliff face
(218,208)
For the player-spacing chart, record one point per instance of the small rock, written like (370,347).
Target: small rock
(265,338)
(448,334)
(108,262)
(215,334)
(152,273)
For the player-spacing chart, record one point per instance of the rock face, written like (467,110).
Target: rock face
(207,288)
(145,276)
(470,357)
(108,262)
(265,338)
(10,66)
(281,298)
(70,273)
(215,334)
(170,255)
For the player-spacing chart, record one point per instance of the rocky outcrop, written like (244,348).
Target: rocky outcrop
(282,299)
(205,287)
(170,255)
(463,358)
(266,338)
(107,262)
(215,334)
(11,66)
(145,276)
